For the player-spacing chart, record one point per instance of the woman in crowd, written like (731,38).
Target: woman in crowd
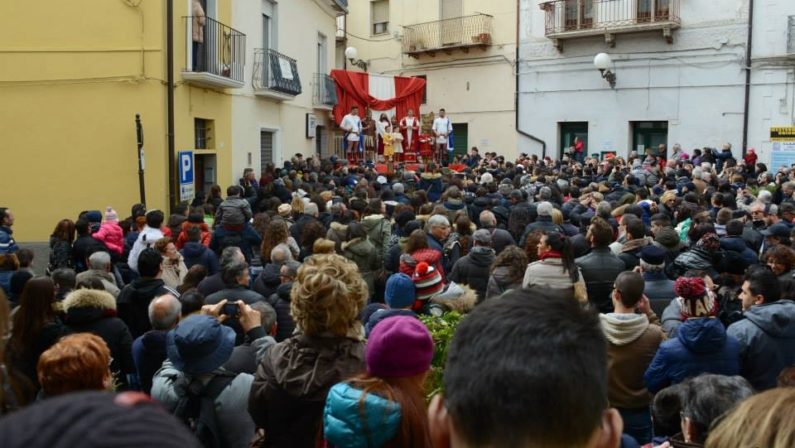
(555,267)
(313,231)
(276,234)
(174,269)
(61,245)
(507,272)
(763,420)
(781,260)
(78,362)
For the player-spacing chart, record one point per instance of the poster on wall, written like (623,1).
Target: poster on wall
(783,150)
(311,125)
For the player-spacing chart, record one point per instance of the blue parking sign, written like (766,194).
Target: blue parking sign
(186,190)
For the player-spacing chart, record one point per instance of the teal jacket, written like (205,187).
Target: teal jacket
(346,424)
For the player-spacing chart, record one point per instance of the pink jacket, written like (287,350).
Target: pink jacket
(111,235)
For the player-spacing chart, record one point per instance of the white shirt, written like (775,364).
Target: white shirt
(442,126)
(351,123)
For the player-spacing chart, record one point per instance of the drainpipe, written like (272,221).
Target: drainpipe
(748,54)
(172,161)
(516,101)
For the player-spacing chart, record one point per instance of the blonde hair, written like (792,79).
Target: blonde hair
(323,246)
(297,204)
(764,420)
(557,216)
(327,295)
(76,362)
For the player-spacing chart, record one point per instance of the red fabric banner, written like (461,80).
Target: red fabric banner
(353,90)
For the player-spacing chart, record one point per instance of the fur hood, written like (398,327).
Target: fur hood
(89,298)
(458,297)
(338,227)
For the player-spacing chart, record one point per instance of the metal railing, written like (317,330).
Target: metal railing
(458,32)
(325,90)
(216,48)
(275,71)
(563,16)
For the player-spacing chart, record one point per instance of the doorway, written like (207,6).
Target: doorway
(321,142)
(265,148)
(460,138)
(649,134)
(570,130)
(205,172)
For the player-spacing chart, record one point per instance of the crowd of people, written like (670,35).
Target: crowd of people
(638,301)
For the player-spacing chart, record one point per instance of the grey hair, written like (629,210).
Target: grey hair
(438,221)
(281,254)
(697,172)
(311,209)
(229,254)
(292,267)
(656,268)
(267,314)
(707,397)
(604,209)
(487,219)
(231,271)
(164,317)
(99,260)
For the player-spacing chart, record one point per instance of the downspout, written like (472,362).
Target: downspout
(516,101)
(172,161)
(748,54)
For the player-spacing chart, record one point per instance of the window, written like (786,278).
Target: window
(322,53)
(568,132)
(424,89)
(203,133)
(578,14)
(379,16)
(649,135)
(791,36)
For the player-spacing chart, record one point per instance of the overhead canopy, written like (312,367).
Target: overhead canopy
(353,89)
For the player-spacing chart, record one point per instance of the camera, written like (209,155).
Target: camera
(231,309)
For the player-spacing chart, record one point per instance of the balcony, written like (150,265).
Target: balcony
(275,75)
(572,19)
(324,94)
(460,33)
(218,60)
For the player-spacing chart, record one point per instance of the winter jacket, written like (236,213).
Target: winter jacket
(210,284)
(659,289)
(169,385)
(382,314)
(149,352)
(632,343)
(133,303)
(630,252)
(60,254)
(7,243)
(500,239)
(146,238)
(541,223)
(671,318)
(432,184)
(290,388)
(392,260)
(473,269)
(695,258)
(107,279)
(767,342)
(701,346)
(268,280)
(93,311)
(362,252)
(194,253)
(111,235)
(174,271)
(233,211)
(379,230)
(453,206)
(182,239)
(280,300)
(82,248)
(500,282)
(550,273)
(233,293)
(737,244)
(343,415)
(245,239)
(339,234)
(599,270)
(408,263)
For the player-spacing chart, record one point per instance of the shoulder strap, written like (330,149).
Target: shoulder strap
(217,385)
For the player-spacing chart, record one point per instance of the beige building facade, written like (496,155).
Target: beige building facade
(465,49)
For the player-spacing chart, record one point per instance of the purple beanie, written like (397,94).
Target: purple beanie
(398,347)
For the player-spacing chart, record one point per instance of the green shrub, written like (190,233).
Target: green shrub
(442,329)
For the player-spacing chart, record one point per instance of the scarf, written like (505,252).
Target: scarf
(550,254)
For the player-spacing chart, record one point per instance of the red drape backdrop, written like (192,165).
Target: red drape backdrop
(353,90)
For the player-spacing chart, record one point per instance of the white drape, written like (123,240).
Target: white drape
(383,88)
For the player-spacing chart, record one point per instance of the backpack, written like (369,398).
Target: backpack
(197,408)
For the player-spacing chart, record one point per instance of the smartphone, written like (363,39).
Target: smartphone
(231,309)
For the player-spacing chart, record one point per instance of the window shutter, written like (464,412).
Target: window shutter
(381,11)
(452,9)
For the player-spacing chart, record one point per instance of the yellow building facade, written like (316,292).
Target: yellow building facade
(72,77)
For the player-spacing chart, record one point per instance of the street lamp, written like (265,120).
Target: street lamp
(353,55)
(603,62)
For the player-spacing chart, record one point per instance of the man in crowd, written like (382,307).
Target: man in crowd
(473,269)
(600,267)
(149,350)
(7,243)
(134,299)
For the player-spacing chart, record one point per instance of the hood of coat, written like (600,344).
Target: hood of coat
(777,319)
(283,291)
(339,229)
(372,222)
(351,420)
(359,246)
(193,249)
(481,256)
(87,305)
(702,335)
(454,204)
(734,243)
(623,329)
(633,245)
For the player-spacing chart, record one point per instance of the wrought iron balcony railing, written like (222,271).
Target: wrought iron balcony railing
(276,72)
(567,19)
(447,35)
(218,53)
(325,91)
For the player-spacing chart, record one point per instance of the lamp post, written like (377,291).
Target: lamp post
(603,62)
(353,55)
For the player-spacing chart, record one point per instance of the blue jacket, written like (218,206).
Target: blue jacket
(701,346)
(343,424)
(7,243)
(246,239)
(196,253)
(737,244)
(767,342)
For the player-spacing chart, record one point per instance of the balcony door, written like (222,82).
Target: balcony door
(653,10)
(578,14)
(451,28)
(268,38)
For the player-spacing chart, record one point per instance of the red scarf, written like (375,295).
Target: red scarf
(550,254)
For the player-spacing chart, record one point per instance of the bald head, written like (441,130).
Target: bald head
(164,312)
(281,254)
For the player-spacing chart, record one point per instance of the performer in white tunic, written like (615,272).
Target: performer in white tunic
(410,128)
(442,129)
(352,125)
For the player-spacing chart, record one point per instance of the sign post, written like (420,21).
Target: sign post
(186,188)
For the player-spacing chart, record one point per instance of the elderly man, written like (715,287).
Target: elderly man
(99,268)
(215,283)
(438,229)
(267,281)
(473,269)
(310,214)
(500,238)
(149,350)
(236,277)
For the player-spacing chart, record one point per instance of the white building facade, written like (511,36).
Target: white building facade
(680,69)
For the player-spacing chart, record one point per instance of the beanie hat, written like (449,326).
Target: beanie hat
(427,280)
(93,216)
(399,346)
(652,254)
(111,215)
(400,292)
(694,301)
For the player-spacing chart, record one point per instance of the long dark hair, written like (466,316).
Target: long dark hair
(559,243)
(35,312)
(65,230)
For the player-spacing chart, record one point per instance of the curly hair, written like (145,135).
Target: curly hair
(275,234)
(327,295)
(323,246)
(76,362)
(162,244)
(515,259)
(780,254)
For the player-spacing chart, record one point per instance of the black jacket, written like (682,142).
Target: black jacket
(196,253)
(210,284)
(285,326)
(133,303)
(149,352)
(500,239)
(599,270)
(82,248)
(473,269)
(92,311)
(233,293)
(268,280)
(541,223)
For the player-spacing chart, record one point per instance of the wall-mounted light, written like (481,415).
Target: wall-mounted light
(353,55)
(603,62)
